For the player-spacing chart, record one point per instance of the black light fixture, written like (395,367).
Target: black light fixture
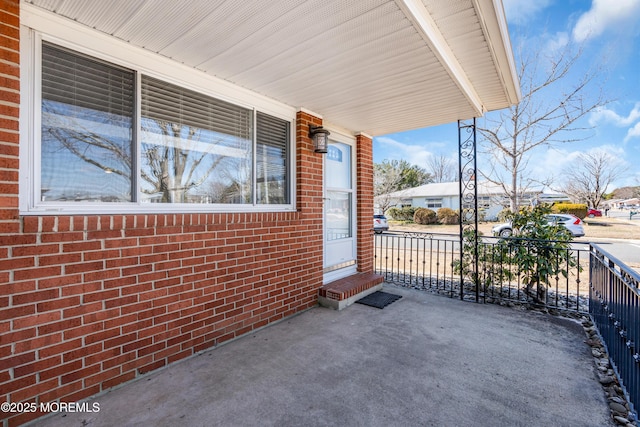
(320,137)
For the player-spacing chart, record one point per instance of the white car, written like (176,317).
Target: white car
(380,224)
(569,221)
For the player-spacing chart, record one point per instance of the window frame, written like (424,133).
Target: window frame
(433,202)
(141,63)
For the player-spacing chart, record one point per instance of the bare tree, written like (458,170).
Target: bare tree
(553,102)
(395,175)
(591,176)
(442,168)
(386,180)
(177,162)
(172,165)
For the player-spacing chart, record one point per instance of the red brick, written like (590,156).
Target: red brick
(37,343)
(78,309)
(37,366)
(58,304)
(15,312)
(17,263)
(82,352)
(102,376)
(101,336)
(17,360)
(59,259)
(38,273)
(98,356)
(17,287)
(61,370)
(82,331)
(79,374)
(61,282)
(32,297)
(65,324)
(61,237)
(84,267)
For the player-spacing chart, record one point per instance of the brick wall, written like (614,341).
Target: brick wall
(9,105)
(364,174)
(93,301)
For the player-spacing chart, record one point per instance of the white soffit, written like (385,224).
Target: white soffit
(375,66)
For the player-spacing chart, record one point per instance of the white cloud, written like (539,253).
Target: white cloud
(606,15)
(520,12)
(633,132)
(609,116)
(560,159)
(414,154)
(557,43)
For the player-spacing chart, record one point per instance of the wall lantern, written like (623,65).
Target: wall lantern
(320,137)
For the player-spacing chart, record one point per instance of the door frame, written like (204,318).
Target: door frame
(349,267)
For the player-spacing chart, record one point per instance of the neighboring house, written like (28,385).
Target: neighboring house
(491,197)
(161,193)
(629,203)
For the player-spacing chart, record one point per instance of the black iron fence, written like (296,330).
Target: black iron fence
(615,309)
(433,262)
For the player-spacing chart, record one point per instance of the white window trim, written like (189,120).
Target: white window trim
(39,25)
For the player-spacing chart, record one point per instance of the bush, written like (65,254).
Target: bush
(504,214)
(448,216)
(579,210)
(425,216)
(531,258)
(402,214)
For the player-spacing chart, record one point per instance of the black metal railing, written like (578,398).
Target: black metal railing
(419,260)
(614,306)
(433,262)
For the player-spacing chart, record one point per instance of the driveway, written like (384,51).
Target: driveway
(424,360)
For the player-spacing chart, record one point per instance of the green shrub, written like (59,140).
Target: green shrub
(448,216)
(504,214)
(579,210)
(402,214)
(531,258)
(424,216)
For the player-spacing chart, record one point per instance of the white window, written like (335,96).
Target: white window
(433,203)
(115,138)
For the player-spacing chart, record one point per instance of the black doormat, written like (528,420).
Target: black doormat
(379,299)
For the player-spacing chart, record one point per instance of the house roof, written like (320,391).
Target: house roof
(446,189)
(372,66)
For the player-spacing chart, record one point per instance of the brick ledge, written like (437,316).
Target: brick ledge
(343,292)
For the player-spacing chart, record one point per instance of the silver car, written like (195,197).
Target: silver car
(569,221)
(380,224)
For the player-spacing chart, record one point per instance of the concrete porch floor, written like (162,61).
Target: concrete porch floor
(423,360)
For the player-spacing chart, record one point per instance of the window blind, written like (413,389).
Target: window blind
(272,157)
(170,103)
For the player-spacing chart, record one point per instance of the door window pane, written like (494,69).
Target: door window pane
(87,128)
(338,215)
(338,166)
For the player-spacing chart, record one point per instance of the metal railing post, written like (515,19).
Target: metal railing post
(468,201)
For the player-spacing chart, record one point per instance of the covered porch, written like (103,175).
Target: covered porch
(119,264)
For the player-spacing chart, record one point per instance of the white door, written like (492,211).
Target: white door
(339,218)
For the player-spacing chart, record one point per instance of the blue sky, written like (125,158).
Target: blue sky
(609,32)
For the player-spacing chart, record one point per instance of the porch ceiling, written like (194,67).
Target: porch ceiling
(375,66)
